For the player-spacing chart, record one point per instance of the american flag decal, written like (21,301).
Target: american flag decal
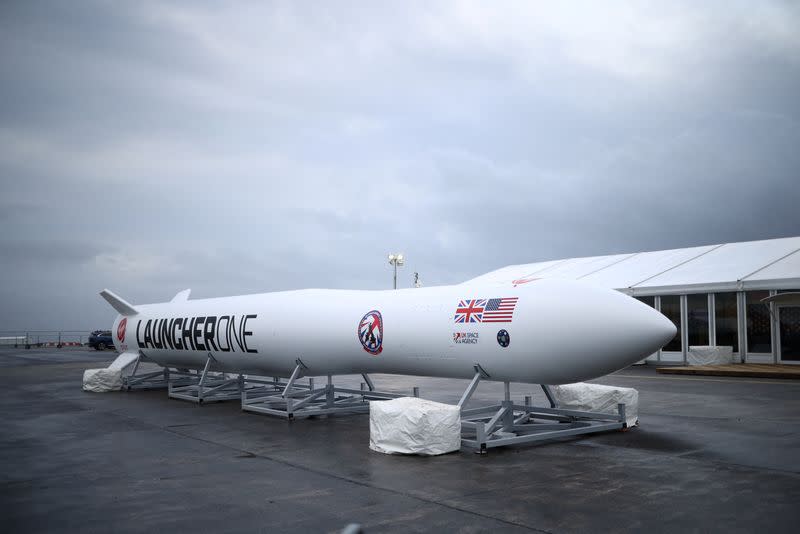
(500,310)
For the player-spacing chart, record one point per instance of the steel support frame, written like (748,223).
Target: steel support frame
(508,423)
(294,400)
(269,395)
(149,380)
(204,386)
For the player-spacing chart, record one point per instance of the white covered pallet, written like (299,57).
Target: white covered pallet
(102,380)
(702,355)
(409,425)
(598,398)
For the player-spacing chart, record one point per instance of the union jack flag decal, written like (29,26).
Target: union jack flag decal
(470,311)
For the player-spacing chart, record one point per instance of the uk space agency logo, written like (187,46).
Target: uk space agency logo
(370,332)
(465,338)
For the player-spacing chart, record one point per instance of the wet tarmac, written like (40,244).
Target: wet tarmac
(710,455)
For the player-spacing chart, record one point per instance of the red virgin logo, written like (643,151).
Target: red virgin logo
(121,329)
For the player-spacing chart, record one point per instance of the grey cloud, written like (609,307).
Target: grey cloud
(156,146)
(43,252)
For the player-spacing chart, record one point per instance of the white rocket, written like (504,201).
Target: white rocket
(547,331)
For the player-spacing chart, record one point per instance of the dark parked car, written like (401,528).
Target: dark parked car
(101,339)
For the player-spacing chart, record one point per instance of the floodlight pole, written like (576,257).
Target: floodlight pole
(394,261)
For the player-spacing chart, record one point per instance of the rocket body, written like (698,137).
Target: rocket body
(549,332)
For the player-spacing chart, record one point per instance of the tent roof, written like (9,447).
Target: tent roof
(768,264)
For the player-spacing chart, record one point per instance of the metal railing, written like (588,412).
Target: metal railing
(43,338)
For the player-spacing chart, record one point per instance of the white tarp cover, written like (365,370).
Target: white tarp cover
(102,380)
(703,355)
(409,425)
(598,398)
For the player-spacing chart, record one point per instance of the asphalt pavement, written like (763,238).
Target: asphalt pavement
(710,455)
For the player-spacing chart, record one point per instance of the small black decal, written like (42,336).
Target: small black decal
(503,338)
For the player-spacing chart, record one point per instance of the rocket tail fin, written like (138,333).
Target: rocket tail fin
(124,360)
(182,296)
(118,303)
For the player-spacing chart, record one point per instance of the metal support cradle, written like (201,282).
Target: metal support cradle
(509,424)
(482,428)
(206,386)
(291,399)
(269,395)
(148,380)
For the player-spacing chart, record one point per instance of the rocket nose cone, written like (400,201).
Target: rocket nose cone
(663,330)
(666,328)
(578,331)
(630,330)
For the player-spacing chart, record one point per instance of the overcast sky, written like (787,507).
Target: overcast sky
(236,148)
